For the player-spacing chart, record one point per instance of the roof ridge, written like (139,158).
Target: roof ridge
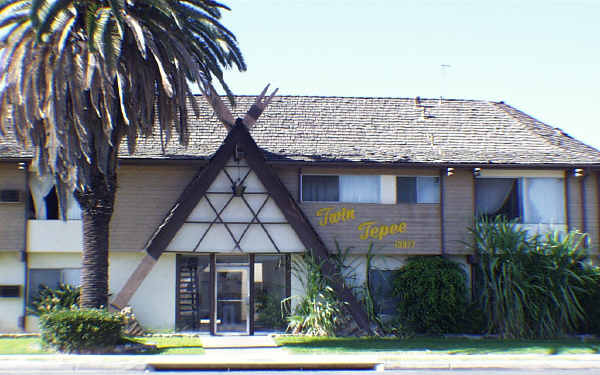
(355,97)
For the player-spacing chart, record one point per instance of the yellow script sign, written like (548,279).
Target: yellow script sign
(367,229)
(370,229)
(328,217)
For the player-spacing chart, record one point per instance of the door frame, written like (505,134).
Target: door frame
(244,297)
(214,269)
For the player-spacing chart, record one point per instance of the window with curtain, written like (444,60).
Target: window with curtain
(45,200)
(531,200)
(497,196)
(420,189)
(320,188)
(544,201)
(344,188)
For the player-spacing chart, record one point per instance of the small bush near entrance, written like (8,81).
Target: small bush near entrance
(81,331)
(432,295)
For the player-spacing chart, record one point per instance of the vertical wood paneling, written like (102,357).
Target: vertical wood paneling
(574,203)
(459,210)
(12,217)
(145,194)
(591,211)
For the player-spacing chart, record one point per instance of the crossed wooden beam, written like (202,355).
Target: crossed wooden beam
(225,116)
(293,213)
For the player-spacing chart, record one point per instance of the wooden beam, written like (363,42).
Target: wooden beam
(174,219)
(196,189)
(259,106)
(295,216)
(133,283)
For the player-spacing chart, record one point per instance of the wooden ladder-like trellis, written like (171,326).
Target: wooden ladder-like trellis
(187,295)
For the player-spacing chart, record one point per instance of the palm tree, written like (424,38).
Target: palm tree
(78,76)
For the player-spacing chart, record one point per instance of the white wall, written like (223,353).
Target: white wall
(11,273)
(49,260)
(154,302)
(54,236)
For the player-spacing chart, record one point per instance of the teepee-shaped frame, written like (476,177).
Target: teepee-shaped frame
(238,142)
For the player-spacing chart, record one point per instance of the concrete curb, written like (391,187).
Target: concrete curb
(377,361)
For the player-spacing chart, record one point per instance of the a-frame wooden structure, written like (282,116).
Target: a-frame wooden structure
(239,139)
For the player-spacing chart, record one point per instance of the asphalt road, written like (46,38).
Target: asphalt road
(42,371)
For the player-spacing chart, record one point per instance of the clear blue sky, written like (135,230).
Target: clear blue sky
(542,57)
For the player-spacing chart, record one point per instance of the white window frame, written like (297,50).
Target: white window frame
(416,177)
(522,191)
(379,201)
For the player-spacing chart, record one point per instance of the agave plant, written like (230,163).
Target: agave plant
(78,77)
(318,312)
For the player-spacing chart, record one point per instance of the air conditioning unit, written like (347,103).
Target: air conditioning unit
(10,196)
(10,291)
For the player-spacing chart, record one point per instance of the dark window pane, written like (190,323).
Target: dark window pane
(320,188)
(270,290)
(382,291)
(498,196)
(42,277)
(406,188)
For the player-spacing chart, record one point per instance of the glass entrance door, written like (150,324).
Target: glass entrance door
(232,291)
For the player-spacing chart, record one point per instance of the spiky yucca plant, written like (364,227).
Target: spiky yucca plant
(530,286)
(78,76)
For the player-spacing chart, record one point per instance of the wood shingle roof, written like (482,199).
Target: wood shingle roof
(378,130)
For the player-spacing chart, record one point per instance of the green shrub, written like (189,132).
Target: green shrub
(318,312)
(432,294)
(590,303)
(47,300)
(529,286)
(269,309)
(81,331)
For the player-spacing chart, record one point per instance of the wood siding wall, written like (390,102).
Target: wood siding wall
(12,215)
(592,215)
(422,220)
(145,195)
(459,205)
(574,213)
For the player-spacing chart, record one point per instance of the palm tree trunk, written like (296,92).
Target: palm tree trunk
(97,208)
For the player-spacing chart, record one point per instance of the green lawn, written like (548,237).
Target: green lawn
(174,344)
(22,345)
(329,345)
(166,345)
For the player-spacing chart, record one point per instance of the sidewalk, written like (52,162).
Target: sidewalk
(260,352)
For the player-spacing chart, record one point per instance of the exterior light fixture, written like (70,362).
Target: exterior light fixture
(476,172)
(578,172)
(449,171)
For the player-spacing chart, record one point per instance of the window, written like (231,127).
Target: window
(381,285)
(51,278)
(418,189)
(531,200)
(45,201)
(345,188)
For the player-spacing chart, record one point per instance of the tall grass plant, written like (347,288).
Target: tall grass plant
(529,286)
